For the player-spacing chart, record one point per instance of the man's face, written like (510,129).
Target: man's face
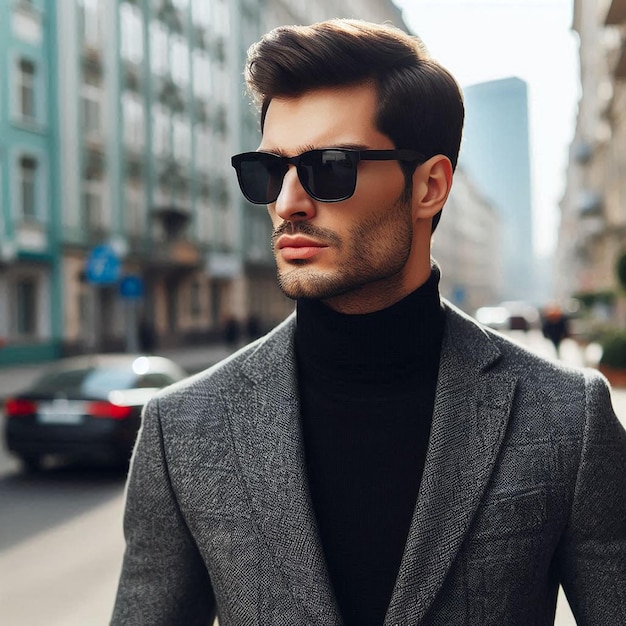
(358,255)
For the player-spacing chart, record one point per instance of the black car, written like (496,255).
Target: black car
(85,408)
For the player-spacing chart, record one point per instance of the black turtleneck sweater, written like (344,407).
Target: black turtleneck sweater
(367,388)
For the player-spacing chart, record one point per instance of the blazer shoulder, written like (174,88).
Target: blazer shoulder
(244,363)
(543,375)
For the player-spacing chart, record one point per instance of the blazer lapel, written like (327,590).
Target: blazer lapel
(267,437)
(469,421)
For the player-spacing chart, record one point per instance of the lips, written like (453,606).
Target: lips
(298,247)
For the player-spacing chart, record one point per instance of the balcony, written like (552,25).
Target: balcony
(176,252)
(94,164)
(619,70)
(92,61)
(171,16)
(590,204)
(582,151)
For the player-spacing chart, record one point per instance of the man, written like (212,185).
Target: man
(378,458)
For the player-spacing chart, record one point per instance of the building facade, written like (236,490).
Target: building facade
(120,216)
(118,119)
(30,277)
(145,93)
(467,245)
(495,153)
(592,232)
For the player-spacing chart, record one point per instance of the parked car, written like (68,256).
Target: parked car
(85,408)
(522,316)
(496,317)
(509,316)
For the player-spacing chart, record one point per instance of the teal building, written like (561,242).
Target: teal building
(117,122)
(119,209)
(30,277)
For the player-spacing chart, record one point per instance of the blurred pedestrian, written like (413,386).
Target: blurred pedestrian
(554,326)
(147,336)
(253,327)
(232,332)
(379,457)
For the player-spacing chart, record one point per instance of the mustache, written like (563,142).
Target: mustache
(305,228)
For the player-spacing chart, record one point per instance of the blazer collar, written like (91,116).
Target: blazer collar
(268,441)
(472,405)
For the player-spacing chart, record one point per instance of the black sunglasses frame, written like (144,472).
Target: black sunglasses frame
(281,164)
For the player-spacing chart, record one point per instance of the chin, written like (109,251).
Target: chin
(311,285)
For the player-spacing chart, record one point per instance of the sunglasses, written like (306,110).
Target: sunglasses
(327,175)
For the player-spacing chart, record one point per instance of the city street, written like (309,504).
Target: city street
(60,547)
(61,538)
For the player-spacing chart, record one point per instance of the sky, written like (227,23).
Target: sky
(482,40)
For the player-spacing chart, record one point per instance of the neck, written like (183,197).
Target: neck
(379,295)
(380,343)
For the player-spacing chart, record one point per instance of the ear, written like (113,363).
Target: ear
(432,182)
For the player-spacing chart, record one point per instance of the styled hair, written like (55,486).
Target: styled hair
(419,104)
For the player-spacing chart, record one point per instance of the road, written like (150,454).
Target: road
(61,546)
(61,541)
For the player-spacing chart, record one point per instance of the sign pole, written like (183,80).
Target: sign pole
(96,319)
(132,340)
(102,267)
(131,290)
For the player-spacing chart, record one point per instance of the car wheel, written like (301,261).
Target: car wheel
(32,463)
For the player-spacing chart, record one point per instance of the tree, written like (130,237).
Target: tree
(620,270)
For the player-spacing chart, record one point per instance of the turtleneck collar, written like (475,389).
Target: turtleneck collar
(399,341)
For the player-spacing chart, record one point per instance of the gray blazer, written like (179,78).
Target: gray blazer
(524,488)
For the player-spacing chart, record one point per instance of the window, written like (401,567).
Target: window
(26,306)
(219,50)
(204,150)
(224,226)
(202,13)
(220,122)
(182,139)
(27,176)
(26,81)
(92,205)
(134,121)
(132,33)
(161,130)
(91,23)
(154,380)
(180,60)
(205,221)
(134,213)
(195,299)
(159,48)
(201,74)
(92,116)
(222,22)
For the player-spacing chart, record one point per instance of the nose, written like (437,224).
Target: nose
(293,202)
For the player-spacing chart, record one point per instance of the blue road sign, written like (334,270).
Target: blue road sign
(131,287)
(102,266)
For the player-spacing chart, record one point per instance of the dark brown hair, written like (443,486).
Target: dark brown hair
(420,104)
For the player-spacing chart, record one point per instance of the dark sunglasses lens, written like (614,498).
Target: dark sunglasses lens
(261,177)
(328,175)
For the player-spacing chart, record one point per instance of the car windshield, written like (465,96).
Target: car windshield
(85,382)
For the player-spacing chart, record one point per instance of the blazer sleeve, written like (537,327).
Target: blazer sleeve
(593,553)
(163,580)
